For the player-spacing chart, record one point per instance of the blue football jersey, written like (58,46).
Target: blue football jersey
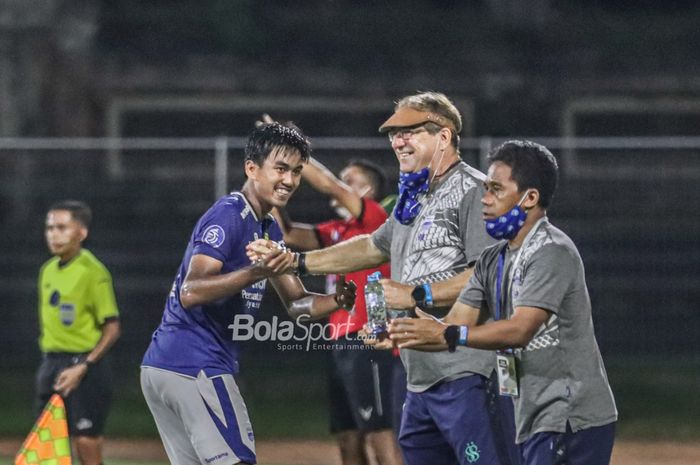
(187,341)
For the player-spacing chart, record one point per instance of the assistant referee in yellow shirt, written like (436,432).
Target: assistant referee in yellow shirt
(79,322)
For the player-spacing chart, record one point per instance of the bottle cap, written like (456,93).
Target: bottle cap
(374,277)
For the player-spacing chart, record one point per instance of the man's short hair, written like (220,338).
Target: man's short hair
(532,167)
(435,102)
(80,211)
(374,174)
(267,137)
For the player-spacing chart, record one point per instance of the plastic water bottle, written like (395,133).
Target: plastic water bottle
(374,302)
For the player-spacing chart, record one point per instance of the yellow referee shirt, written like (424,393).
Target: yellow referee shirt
(74,301)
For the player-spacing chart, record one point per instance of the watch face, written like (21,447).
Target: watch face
(418,294)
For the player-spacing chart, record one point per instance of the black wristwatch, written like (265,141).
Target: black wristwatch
(456,336)
(423,295)
(299,264)
(451,336)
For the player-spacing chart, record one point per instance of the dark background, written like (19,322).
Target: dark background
(203,69)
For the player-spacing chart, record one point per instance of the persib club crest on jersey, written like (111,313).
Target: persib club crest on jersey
(214,236)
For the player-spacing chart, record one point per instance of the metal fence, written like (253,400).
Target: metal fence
(626,202)
(579,156)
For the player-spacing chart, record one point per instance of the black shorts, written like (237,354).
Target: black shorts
(88,405)
(360,387)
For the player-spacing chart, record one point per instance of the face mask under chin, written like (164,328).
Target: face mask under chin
(410,186)
(508,225)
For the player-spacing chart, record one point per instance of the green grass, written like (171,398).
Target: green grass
(288,399)
(656,399)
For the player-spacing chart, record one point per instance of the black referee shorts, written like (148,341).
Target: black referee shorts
(88,405)
(360,387)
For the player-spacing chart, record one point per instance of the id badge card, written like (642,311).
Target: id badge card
(507,374)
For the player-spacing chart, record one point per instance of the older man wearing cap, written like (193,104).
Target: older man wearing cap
(452,413)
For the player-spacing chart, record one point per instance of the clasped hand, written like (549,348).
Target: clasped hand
(270,256)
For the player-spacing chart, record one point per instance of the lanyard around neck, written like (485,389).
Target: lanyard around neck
(500,302)
(499,283)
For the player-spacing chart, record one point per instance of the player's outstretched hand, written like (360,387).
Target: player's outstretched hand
(257,249)
(273,258)
(345,293)
(381,341)
(397,295)
(69,379)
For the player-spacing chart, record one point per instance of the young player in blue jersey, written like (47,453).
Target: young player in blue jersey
(187,371)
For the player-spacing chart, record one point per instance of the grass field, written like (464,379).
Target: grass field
(656,399)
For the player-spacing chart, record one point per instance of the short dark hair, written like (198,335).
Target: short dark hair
(532,167)
(373,172)
(80,211)
(267,137)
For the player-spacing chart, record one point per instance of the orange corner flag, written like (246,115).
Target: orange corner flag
(48,442)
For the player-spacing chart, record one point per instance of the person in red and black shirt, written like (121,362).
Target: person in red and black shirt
(360,380)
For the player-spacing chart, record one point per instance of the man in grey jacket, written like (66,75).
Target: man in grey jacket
(433,238)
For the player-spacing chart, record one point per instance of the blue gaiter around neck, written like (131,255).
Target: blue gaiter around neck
(410,185)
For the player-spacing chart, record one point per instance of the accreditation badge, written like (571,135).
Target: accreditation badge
(67,314)
(507,374)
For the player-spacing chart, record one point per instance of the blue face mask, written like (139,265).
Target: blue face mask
(507,226)
(410,185)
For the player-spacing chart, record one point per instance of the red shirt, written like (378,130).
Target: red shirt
(331,232)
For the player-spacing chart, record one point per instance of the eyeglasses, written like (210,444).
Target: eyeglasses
(405,134)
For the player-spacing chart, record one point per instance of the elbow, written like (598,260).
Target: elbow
(187,298)
(301,308)
(112,330)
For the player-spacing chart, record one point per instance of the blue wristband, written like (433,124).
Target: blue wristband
(463,333)
(428,295)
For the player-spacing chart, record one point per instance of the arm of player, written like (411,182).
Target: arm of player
(425,333)
(69,379)
(205,284)
(299,236)
(324,181)
(357,253)
(354,254)
(445,293)
(298,301)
